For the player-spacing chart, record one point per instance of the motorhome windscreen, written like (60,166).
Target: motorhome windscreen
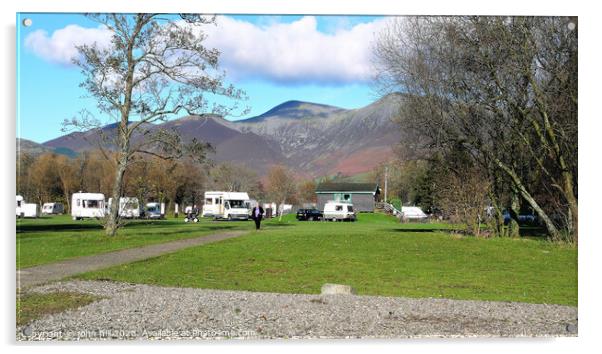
(237,204)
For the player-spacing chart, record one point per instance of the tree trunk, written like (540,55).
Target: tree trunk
(498,217)
(552,230)
(113,220)
(513,211)
(281,210)
(573,209)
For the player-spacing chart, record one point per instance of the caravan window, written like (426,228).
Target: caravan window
(349,208)
(338,208)
(18,203)
(78,202)
(208,201)
(91,204)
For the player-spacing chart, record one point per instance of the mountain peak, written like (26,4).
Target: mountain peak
(294,109)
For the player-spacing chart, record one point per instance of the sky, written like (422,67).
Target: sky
(321,59)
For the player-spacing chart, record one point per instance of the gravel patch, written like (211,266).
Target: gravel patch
(134,311)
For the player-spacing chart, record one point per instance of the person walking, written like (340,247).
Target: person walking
(257,215)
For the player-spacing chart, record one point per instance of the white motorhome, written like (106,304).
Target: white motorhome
(129,207)
(413,213)
(226,205)
(87,205)
(52,208)
(339,211)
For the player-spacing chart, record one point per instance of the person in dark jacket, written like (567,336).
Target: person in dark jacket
(257,215)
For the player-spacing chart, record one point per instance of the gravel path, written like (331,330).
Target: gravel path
(55,271)
(151,312)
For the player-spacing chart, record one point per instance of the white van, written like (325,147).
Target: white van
(129,207)
(226,205)
(339,211)
(52,208)
(87,205)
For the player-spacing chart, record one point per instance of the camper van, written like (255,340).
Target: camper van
(52,209)
(339,211)
(155,210)
(129,207)
(226,205)
(87,205)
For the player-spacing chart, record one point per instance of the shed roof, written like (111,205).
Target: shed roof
(346,187)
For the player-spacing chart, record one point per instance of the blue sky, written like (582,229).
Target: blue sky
(322,59)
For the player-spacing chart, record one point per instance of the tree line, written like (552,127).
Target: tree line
(489,104)
(51,177)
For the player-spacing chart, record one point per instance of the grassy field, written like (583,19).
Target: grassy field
(51,239)
(375,255)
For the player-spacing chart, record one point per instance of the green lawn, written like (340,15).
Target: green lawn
(375,255)
(51,239)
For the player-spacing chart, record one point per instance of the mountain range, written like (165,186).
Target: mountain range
(312,139)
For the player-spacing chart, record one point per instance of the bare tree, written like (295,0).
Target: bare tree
(307,191)
(67,176)
(230,177)
(281,186)
(155,67)
(503,90)
(464,197)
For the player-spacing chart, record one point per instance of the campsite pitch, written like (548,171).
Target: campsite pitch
(376,256)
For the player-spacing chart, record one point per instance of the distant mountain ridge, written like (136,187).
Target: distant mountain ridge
(34,149)
(312,139)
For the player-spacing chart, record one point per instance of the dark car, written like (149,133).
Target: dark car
(523,219)
(309,214)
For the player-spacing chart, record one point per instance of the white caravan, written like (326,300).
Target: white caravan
(226,205)
(413,213)
(87,205)
(339,211)
(285,209)
(52,208)
(20,203)
(25,210)
(129,207)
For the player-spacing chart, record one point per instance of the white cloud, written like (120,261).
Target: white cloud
(60,47)
(295,52)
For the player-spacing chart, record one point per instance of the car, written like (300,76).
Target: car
(309,214)
(523,219)
(339,211)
